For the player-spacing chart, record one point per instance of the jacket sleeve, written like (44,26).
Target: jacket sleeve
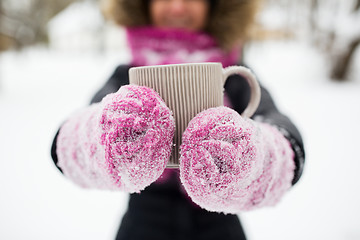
(238,92)
(119,78)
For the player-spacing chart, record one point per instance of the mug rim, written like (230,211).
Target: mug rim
(178,65)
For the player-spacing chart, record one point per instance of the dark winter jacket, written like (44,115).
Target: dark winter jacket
(162,211)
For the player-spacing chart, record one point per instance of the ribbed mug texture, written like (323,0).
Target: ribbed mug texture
(187,90)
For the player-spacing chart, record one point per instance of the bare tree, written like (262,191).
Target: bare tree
(25,22)
(333,29)
(341,64)
(357,5)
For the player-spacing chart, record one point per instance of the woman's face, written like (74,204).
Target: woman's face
(182,14)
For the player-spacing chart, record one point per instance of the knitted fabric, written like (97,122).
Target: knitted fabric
(122,143)
(230,164)
(152,46)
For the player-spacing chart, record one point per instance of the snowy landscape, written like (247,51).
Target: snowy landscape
(41,86)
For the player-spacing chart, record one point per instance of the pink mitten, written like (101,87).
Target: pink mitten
(230,164)
(122,143)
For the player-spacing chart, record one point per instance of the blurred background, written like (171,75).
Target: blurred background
(55,54)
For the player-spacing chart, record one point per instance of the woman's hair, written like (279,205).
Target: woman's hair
(229,20)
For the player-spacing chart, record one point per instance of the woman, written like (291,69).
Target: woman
(181,31)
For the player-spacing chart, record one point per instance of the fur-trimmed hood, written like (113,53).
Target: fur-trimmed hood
(229,20)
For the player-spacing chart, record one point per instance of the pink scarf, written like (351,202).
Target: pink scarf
(153,46)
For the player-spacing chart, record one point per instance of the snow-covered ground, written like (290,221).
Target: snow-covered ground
(39,88)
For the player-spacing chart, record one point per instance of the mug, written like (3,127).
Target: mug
(188,89)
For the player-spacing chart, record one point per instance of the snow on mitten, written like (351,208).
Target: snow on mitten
(230,164)
(123,142)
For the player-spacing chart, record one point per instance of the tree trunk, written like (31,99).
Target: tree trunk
(342,64)
(314,5)
(357,5)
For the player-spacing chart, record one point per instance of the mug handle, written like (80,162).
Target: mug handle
(255,93)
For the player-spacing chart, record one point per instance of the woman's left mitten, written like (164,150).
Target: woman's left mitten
(123,142)
(231,164)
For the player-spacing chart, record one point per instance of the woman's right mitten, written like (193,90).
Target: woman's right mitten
(230,164)
(123,142)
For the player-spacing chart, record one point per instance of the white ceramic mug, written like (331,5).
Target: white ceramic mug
(188,89)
